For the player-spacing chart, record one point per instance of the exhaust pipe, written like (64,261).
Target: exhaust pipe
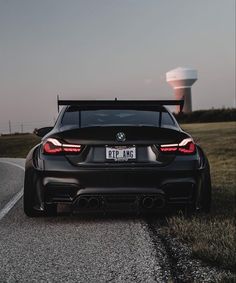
(148,202)
(93,203)
(82,202)
(160,202)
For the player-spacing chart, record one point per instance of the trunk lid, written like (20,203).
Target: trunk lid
(96,141)
(133,135)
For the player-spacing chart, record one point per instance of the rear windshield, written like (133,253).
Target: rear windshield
(108,117)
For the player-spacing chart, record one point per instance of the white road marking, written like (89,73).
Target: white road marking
(10,204)
(16,197)
(12,163)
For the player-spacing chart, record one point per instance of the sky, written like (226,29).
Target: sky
(102,49)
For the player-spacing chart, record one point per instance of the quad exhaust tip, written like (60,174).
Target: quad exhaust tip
(148,202)
(82,202)
(151,202)
(86,202)
(160,202)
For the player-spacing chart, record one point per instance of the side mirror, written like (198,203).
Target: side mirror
(42,131)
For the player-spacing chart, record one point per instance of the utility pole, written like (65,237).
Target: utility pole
(9,127)
(21,126)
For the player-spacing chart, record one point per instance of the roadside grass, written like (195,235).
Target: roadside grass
(17,145)
(213,237)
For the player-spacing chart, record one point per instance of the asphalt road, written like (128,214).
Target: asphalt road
(11,178)
(79,249)
(71,248)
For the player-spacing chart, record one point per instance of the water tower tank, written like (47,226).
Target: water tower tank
(182,79)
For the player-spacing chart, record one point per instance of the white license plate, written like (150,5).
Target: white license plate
(121,153)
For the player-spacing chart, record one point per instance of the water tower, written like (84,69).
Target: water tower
(182,79)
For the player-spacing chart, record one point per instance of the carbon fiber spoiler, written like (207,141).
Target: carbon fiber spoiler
(116,104)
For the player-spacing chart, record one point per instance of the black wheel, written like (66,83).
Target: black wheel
(28,200)
(203,204)
(189,210)
(30,195)
(205,196)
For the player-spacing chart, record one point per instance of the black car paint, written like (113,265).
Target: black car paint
(175,180)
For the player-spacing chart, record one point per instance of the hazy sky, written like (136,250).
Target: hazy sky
(111,48)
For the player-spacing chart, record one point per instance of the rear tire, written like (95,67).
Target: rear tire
(205,201)
(189,210)
(28,200)
(50,209)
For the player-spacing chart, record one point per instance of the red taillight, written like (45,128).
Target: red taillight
(169,149)
(53,146)
(71,148)
(187,146)
(188,149)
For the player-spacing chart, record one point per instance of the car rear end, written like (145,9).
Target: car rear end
(117,160)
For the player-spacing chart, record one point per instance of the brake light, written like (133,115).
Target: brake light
(187,146)
(53,146)
(169,147)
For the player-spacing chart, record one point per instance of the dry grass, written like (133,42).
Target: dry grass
(17,145)
(213,237)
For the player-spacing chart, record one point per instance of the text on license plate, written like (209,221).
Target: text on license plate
(121,153)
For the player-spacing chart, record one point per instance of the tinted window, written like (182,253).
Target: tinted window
(88,118)
(117,117)
(167,120)
(70,118)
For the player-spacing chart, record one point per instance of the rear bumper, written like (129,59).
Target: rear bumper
(165,192)
(116,188)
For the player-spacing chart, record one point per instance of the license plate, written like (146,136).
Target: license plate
(121,153)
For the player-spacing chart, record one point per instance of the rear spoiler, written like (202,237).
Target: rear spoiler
(116,104)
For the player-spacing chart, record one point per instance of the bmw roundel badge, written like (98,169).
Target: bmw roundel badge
(120,137)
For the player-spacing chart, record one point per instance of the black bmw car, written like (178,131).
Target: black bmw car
(120,156)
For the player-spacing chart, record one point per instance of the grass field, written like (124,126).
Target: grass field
(211,237)
(17,145)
